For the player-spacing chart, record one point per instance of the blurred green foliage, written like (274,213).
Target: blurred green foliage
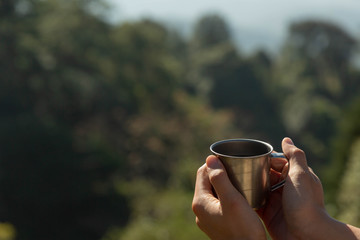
(103,125)
(348,196)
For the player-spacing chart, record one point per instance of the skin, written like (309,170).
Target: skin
(295,211)
(227,215)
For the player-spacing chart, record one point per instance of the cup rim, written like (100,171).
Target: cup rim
(241,140)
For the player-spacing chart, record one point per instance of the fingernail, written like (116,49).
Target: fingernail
(213,162)
(289,141)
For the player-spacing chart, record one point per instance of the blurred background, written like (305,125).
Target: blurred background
(108,108)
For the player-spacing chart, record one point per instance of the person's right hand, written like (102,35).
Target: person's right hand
(297,211)
(221,211)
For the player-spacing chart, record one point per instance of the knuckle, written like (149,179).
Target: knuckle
(297,152)
(201,170)
(302,176)
(217,175)
(299,172)
(197,207)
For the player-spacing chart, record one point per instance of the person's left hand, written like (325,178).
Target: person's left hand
(291,211)
(223,214)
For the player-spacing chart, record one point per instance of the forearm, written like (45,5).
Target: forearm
(339,230)
(327,228)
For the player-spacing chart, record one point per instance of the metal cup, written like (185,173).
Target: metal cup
(247,163)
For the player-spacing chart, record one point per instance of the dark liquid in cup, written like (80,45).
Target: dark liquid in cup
(241,148)
(243,155)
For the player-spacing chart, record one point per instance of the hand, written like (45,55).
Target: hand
(225,215)
(297,211)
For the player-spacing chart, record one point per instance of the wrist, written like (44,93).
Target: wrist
(307,223)
(321,225)
(254,235)
(261,235)
(317,225)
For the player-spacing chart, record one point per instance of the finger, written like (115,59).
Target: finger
(296,156)
(200,224)
(278,164)
(285,171)
(203,195)
(220,180)
(275,177)
(202,184)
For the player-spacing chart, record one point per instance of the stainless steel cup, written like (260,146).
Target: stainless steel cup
(247,162)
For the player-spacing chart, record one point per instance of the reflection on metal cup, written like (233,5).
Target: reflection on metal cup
(247,163)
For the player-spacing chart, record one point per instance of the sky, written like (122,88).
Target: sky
(254,23)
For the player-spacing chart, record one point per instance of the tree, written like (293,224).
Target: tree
(343,152)
(57,166)
(210,30)
(313,80)
(227,80)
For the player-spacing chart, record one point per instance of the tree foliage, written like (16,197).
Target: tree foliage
(348,196)
(314,76)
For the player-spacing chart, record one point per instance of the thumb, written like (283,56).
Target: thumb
(219,179)
(296,156)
